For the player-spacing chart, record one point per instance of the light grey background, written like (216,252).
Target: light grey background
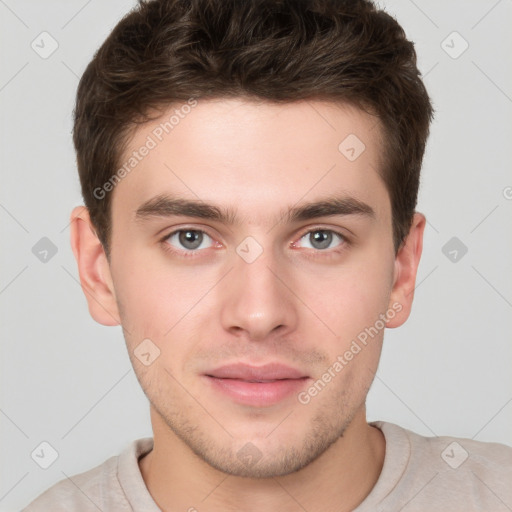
(68,381)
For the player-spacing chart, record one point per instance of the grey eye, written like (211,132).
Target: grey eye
(321,238)
(189,239)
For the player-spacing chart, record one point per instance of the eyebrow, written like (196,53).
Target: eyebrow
(167,206)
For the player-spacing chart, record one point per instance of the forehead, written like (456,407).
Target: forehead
(255,156)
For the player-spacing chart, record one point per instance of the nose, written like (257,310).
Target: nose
(258,301)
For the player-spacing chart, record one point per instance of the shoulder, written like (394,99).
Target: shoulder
(467,455)
(76,492)
(97,488)
(452,471)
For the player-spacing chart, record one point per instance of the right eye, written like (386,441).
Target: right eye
(189,240)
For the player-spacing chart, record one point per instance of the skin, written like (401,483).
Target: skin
(296,303)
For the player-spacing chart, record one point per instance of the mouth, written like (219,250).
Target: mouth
(257,386)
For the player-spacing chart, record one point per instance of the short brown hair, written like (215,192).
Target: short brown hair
(168,51)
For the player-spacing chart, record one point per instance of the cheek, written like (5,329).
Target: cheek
(351,306)
(350,297)
(158,299)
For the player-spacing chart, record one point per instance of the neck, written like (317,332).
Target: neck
(339,479)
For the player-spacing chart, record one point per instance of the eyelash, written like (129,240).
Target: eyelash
(195,253)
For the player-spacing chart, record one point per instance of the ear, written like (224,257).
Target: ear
(93,268)
(406,267)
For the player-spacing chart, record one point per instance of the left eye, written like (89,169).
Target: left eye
(322,238)
(190,239)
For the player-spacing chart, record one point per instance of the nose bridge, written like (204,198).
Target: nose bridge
(257,301)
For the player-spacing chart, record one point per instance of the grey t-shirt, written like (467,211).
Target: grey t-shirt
(419,474)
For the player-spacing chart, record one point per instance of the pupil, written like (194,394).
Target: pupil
(321,239)
(191,239)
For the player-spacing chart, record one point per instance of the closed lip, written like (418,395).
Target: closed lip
(267,372)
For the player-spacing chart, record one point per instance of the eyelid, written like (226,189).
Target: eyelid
(201,229)
(338,230)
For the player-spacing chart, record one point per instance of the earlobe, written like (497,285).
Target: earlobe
(406,267)
(93,268)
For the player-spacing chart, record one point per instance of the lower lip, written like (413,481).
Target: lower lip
(259,394)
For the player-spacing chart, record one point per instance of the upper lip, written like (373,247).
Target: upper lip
(270,371)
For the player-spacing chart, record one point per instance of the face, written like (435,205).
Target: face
(251,274)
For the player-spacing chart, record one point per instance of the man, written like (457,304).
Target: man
(250,172)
